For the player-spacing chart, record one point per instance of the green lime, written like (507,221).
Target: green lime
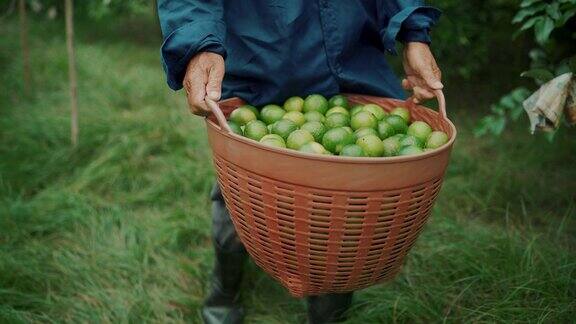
(337,120)
(398,123)
(363,119)
(295,116)
(315,102)
(338,100)
(242,116)
(420,130)
(436,139)
(274,142)
(337,109)
(399,137)
(353,150)
(402,112)
(410,150)
(385,130)
(361,132)
(316,128)
(336,138)
(294,104)
(372,145)
(314,116)
(284,127)
(236,129)
(313,147)
(255,130)
(348,129)
(411,140)
(254,110)
(391,146)
(272,137)
(376,110)
(356,109)
(298,138)
(271,114)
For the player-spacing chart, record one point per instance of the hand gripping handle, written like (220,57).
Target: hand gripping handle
(441,104)
(213,105)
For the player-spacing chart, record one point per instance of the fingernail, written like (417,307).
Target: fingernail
(213,95)
(438,85)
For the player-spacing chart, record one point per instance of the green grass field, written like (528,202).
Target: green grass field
(117,230)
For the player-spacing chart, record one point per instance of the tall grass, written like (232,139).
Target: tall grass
(118,229)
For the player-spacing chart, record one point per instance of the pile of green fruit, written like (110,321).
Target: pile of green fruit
(321,126)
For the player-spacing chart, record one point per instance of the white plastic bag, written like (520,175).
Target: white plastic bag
(546,106)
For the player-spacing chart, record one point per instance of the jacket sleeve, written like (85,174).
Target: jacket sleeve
(405,21)
(188,27)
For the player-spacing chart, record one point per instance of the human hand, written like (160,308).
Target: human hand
(203,79)
(422,73)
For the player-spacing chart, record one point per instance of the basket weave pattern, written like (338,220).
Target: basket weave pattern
(318,240)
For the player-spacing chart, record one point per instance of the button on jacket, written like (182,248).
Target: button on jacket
(275,49)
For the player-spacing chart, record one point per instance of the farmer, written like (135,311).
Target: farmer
(265,51)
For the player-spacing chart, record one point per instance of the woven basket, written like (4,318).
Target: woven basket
(327,224)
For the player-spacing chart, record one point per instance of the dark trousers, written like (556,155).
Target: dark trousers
(328,308)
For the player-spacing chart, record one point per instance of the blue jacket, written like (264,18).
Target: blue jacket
(275,49)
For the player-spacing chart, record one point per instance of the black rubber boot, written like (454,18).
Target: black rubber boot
(330,308)
(222,305)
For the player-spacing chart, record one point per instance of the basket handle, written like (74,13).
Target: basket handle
(441,103)
(213,105)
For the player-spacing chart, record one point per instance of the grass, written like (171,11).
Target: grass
(117,229)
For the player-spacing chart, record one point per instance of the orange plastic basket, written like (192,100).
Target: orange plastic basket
(326,224)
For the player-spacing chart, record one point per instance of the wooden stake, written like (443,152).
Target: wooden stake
(69,4)
(24,45)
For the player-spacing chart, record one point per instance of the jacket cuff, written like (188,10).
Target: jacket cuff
(410,25)
(185,42)
(420,36)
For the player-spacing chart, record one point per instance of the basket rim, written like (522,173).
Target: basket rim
(336,158)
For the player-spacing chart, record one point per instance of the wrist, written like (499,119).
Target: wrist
(409,46)
(416,44)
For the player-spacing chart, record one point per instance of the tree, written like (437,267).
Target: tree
(69,9)
(552,23)
(24,45)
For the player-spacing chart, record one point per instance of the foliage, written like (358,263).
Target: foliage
(473,27)
(93,9)
(506,107)
(549,60)
(543,16)
(117,7)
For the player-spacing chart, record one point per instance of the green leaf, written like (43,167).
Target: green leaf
(484,126)
(531,22)
(508,102)
(527,3)
(566,16)
(498,125)
(527,12)
(516,112)
(542,30)
(562,68)
(541,75)
(520,94)
(498,110)
(537,54)
(553,10)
